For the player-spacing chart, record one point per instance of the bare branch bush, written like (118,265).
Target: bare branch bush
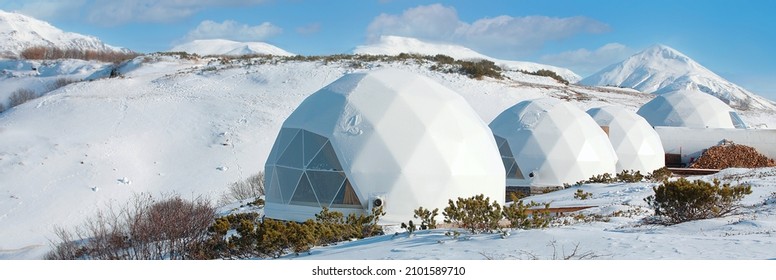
(41,52)
(575,254)
(142,229)
(20,96)
(61,82)
(250,188)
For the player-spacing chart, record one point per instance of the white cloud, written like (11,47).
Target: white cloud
(112,12)
(430,22)
(47,9)
(309,29)
(586,62)
(115,12)
(233,30)
(502,34)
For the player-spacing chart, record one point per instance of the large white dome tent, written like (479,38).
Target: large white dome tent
(546,142)
(636,143)
(387,136)
(689,108)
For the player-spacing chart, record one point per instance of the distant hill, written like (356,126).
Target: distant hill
(19,32)
(394,45)
(227,47)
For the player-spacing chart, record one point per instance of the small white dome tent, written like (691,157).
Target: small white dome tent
(546,142)
(636,143)
(688,108)
(387,136)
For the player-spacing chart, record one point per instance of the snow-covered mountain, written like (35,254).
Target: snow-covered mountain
(660,69)
(19,32)
(227,47)
(394,45)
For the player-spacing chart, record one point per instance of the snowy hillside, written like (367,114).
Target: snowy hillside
(19,32)
(191,127)
(660,69)
(227,47)
(394,45)
(188,126)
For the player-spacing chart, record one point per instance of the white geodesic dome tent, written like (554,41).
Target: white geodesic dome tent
(547,142)
(635,142)
(688,108)
(383,136)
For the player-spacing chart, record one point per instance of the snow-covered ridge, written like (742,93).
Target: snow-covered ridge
(19,32)
(394,45)
(661,69)
(227,47)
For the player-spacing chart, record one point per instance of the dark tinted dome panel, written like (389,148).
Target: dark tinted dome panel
(307,172)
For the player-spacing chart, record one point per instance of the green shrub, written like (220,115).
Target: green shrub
(605,178)
(427,218)
(547,73)
(480,69)
(301,237)
(659,175)
(254,237)
(444,59)
(272,238)
(476,214)
(362,226)
(630,176)
(330,226)
(220,227)
(681,200)
(626,176)
(580,194)
(522,216)
(409,226)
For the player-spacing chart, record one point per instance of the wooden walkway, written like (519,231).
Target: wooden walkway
(560,210)
(692,171)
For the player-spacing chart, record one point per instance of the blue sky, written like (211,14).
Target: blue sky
(735,39)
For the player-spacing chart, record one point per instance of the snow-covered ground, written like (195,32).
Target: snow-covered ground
(194,126)
(616,234)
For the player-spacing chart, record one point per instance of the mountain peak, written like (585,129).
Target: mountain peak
(660,51)
(660,68)
(19,32)
(661,48)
